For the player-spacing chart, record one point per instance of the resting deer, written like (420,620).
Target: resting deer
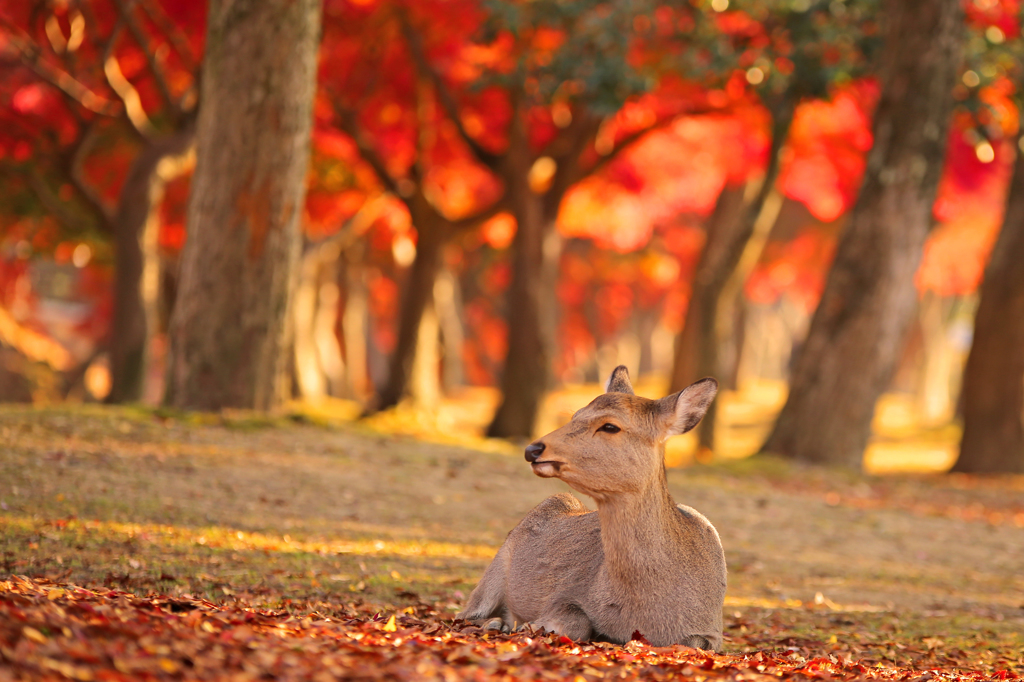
(640,563)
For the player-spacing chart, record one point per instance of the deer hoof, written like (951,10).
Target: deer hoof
(494,625)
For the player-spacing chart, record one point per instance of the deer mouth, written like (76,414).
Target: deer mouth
(547,468)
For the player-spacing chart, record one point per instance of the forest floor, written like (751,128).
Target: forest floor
(136,543)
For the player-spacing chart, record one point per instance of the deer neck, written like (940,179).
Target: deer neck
(637,532)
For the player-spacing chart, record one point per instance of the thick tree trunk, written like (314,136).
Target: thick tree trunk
(532,309)
(993,389)
(857,331)
(133,320)
(230,332)
(419,296)
(525,376)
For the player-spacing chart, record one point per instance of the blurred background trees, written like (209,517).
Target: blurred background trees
(506,199)
(71,107)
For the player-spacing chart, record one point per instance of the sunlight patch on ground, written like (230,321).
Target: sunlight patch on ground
(909,457)
(818,602)
(219,537)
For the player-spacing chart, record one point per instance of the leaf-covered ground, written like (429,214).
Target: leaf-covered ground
(141,545)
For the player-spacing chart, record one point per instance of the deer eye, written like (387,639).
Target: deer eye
(609,428)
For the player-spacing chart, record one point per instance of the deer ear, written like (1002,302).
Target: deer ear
(684,410)
(618,382)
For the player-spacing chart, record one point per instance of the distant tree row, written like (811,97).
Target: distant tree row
(467,113)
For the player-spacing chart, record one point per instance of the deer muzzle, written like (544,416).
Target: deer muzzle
(534,451)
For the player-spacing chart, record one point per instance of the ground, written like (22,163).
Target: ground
(140,543)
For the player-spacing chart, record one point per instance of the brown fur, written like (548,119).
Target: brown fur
(638,563)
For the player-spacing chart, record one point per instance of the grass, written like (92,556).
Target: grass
(306,511)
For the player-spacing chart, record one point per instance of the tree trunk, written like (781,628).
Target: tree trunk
(647,320)
(325,323)
(419,296)
(231,327)
(993,388)
(730,326)
(691,360)
(309,377)
(525,376)
(448,304)
(133,321)
(424,377)
(933,394)
(355,324)
(728,237)
(858,328)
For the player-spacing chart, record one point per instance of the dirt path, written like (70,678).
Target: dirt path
(279,514)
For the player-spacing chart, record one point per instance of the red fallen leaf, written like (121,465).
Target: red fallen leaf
(638,637)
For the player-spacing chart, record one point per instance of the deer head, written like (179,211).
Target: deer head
(615,444)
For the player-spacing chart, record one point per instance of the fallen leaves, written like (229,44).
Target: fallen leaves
(80,634)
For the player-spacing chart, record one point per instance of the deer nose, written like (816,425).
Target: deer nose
(533,451)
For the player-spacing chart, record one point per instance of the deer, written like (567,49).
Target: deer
(639,564)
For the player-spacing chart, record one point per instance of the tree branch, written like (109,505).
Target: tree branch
(424,127)
(154,66)
(566,150)
(486,157)
(133,108)
(30,56)
(173,33)
(637,135)
(366,150)
(330,248)
(74,163)
(630,140)
(129,96)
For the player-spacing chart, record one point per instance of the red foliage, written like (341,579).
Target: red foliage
(640,213)
(826,151)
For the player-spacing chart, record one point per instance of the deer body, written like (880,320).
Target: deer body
(638,563)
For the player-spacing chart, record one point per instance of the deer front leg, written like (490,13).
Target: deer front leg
(487,601)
